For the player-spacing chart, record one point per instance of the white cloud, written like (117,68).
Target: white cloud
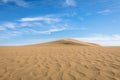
(2,28)
(35,25)
(42,18)
(70,2)
(49,31)
(105,40)
(17,33)
(21,3)
(106,11)
(9,25)
(12,34)
(29,24)
(46,24)
(25,24)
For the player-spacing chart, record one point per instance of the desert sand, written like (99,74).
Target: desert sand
(65,59)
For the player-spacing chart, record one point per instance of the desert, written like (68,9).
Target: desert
(59,39)
(65,59)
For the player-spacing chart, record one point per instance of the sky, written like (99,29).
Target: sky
(34,21)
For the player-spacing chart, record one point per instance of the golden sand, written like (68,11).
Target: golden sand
(60,60)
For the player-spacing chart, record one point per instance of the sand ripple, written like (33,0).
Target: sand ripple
(59,63)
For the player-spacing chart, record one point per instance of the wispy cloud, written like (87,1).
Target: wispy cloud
(106,11)
(12,34)
(49,31)
(42,18)
(2,28)
(9,25)
(21,3)
(17,33)
(33,25)
(70,2)
(106,40)
(29,24)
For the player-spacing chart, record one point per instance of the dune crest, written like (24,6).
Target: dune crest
(69,42)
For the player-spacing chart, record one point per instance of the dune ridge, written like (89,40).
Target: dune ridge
(68,42)
(69,60)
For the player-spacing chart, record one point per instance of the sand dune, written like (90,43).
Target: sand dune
(66,59)
(68,42)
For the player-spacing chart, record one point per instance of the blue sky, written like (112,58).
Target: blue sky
(35,21)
